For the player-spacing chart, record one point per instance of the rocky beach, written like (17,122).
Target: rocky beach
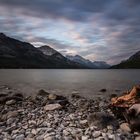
(47,116)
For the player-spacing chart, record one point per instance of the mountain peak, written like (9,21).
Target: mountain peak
(2,35)
(47,50)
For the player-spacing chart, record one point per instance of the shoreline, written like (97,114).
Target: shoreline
(48,116)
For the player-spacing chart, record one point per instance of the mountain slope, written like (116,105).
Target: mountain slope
(131,62)
(18,54)
(88,63)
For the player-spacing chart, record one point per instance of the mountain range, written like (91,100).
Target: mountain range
(88,63)
(18,54)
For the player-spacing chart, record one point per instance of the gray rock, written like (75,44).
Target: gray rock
(65,132)
(12,114)
(20,137)
(10,121)
(42,93)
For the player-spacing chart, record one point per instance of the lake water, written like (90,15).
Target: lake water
(85,82)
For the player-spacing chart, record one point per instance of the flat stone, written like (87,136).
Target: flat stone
(51,107)
(10,102)
(20,137)
(49,138)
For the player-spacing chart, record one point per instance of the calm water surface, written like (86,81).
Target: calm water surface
(85,82)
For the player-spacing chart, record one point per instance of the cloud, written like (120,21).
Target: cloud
(96,29)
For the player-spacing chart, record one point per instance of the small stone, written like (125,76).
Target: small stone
(32,122)
(51,107)
(65,132)
(20,137)
(10,121)
(83,122)
(34,131)
(11,114)
(96,134)
(52,97)
(110,136)
(49,138)
(110,127)
(85,138)
(125,127)
(10,102)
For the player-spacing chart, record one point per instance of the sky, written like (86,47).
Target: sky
(103,30)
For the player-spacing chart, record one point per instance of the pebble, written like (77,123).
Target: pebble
(96,134)
(10,102)
(125,127)
(85,137)
(30,120)
(10,121)
(20,137)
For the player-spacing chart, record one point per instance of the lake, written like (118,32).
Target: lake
(86,82)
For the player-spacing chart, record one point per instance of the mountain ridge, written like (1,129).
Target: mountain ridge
(88,63)
(132,62)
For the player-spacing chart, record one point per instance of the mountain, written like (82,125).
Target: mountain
(88,63)
(59,58)
(132,62)
(18,54)
(47,50)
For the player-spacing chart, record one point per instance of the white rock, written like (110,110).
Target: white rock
(83,122)
(96,134)
(10,102)
(50,107)
(34,131)
(85,137)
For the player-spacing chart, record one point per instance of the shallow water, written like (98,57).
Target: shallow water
(85,82)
